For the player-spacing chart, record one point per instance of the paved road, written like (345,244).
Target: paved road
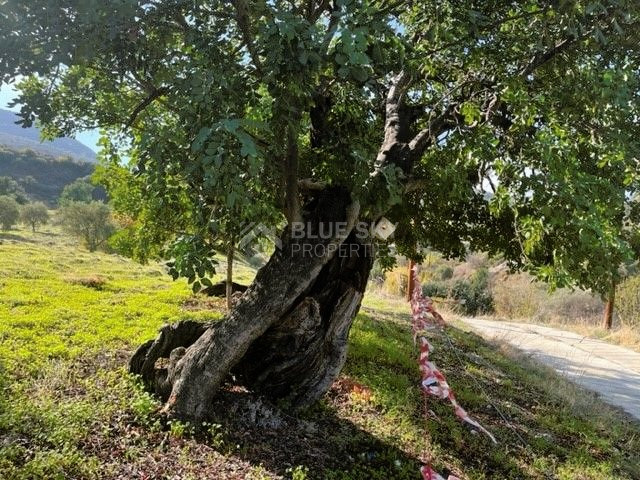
(612,371)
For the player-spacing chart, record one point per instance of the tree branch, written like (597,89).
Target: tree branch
(292,207)
(155,94)
(244,24)
(543,57)
(432,131)
(391,146)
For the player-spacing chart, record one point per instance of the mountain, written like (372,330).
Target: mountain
(40,176)
(17,138)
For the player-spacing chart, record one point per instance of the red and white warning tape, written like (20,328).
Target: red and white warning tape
(434,383)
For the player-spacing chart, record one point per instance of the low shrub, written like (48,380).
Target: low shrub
(444,272)
(435,289)
(93,281)
(396,281)
(473,296)
(518,296)
(571,306)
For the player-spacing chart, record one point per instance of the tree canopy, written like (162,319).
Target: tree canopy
(508,127)
(34,215)
(9,212)
(80,190)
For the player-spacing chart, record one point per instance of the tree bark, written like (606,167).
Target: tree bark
(304,300)
(607,320)
(301,355)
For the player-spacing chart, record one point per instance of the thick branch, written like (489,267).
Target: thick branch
(290,176)
(244,24)
(436,127)
(391,149)
(543,57)
(157,93)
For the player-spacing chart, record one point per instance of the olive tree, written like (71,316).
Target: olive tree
(502,126)
(89,222)
(34,215)
(9,212)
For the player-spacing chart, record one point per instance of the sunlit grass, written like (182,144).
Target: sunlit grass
(69,320)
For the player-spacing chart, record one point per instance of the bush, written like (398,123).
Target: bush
(574,306)
(435,289)
(396,281)
(628,301)
(34,215)
(445,272)
(90,222)
(9,212)
(473,296)
(93,281)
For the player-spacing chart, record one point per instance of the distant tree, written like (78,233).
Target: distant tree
(11,188)
(90,222)
(9,212)
(34,215)
(77,191)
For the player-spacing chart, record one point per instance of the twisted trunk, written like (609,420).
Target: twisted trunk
(286,337)
(300,356)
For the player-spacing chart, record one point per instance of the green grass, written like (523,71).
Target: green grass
(69,321)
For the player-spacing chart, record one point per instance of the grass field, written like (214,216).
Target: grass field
(69,320)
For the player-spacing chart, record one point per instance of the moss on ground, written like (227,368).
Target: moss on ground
(70,319)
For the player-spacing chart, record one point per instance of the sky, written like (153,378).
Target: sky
(89,138)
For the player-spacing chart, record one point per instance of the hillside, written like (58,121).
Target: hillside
(69,410)
(18,138)
(42,177)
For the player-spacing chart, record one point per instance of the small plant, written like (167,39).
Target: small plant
(298,473)
(9,212)
(143,406)
(180,429)
(215,432)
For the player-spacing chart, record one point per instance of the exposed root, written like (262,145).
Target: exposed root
(171,344)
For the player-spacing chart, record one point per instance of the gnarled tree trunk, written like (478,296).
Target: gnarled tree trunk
(287,335)
(300,356)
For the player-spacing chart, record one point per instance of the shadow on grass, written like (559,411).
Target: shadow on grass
(15,238)
(329,446)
